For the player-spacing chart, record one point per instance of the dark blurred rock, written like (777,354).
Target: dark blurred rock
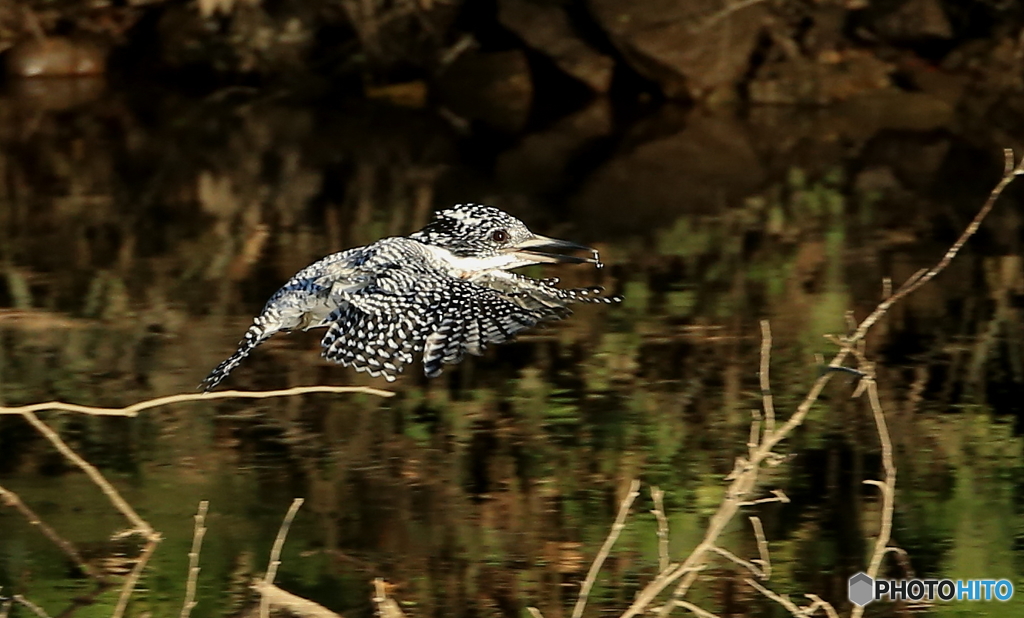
(707,166)
(690,48)
(914,20)
(494,88)
(248,40)
(539,164)
(914,158)
(55,57)
(863,116)
(547,29)
(57,93)
(833,76)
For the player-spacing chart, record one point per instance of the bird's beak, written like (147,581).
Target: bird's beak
(529,250)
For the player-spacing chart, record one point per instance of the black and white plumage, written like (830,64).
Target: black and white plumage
(439,292)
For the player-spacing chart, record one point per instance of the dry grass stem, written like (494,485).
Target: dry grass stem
(700,611)
(658,497)
(535,612)
(35,609)
(135,408)
(292,603)
(133,578)
(11,499)
(387,607)
(275,553)
(193,559)
(613,535)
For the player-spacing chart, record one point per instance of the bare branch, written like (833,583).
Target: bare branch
(762,546)
(780,599)
(11,499)
(133,578)
(38,611)
(193,559)
(139,524)
(275,553)
(666,577)
(295,604)
(135,408)
(658,497)
(703,613)
(613,535)
(887,487)
(386,606)
(721,551)
(819,602)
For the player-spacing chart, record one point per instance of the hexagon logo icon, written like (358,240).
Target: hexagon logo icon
(861,589)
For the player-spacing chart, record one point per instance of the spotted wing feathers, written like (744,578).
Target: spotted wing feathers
(380,333)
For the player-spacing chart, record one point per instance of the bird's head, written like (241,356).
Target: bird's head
(477,237)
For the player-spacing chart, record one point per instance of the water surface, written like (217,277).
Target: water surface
(140,232)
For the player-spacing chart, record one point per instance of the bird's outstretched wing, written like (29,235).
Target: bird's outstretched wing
(380,328)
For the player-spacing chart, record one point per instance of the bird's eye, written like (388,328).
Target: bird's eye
(499,235)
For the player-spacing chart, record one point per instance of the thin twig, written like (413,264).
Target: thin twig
(750,566)
(651,590)
(386,606)
(780,599)
(135,408)
(11,499)
(658,497)
(293,603)
(613,535)
(887,487)
(535,612)
(777,496)
(198,532)
(700,611)
(115,498)
(275,553)
(762,546)
(829,610)
(38,611)
(133,578)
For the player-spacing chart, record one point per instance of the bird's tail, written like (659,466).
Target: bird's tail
(257,334)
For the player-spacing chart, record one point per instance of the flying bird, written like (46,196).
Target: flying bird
(439,293)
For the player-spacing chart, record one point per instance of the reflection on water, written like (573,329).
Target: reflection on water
(139,234)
